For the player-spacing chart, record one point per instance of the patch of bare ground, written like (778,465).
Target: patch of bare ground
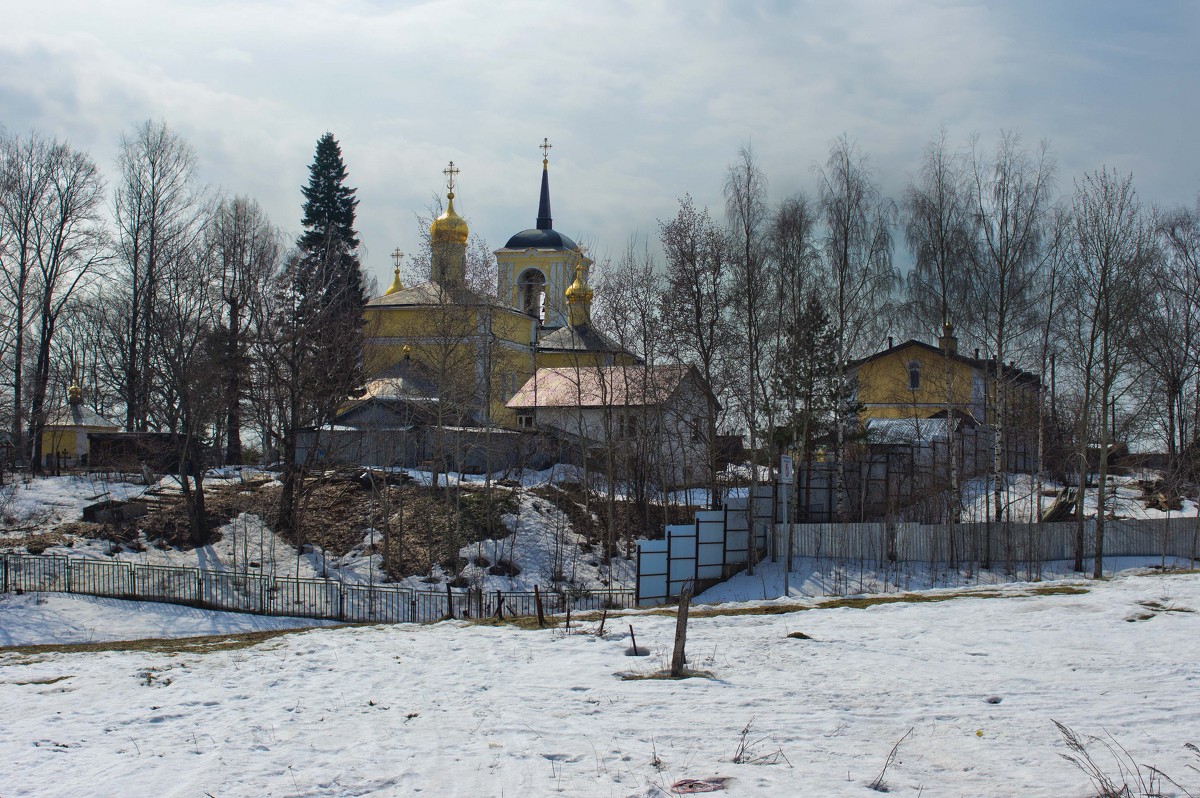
(202,644)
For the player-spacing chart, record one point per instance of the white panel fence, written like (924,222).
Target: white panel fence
(716,545)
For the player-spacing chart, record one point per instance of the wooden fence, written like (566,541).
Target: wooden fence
(989,544)
(267,595)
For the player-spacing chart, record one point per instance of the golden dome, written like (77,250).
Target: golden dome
(578,291)
(449,228)
(396,284)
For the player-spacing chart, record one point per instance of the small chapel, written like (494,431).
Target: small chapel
(444,352)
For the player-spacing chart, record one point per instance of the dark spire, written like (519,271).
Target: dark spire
(544,222)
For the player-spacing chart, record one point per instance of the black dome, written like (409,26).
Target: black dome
(540,239)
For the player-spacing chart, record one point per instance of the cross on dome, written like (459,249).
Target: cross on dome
(450,171)
(397,256)
(545,147)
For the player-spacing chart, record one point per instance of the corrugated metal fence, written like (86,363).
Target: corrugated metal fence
(267,595)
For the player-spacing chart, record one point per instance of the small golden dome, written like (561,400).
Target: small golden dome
(396,284)
(449,228)
(578,291)
(75,394)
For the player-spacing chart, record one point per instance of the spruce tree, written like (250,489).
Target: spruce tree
(329,282)
(322,337)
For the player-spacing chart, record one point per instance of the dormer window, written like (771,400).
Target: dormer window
(914,376)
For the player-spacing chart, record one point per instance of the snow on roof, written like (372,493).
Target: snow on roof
(78,416)
(905,430)
(599,387)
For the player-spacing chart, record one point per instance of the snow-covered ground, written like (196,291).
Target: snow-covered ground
(972,687)
(543,544)
(41,618)
(1019,494)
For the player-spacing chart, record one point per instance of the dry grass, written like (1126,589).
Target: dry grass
(202,644)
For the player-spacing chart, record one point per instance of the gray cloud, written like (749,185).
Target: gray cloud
(643,100)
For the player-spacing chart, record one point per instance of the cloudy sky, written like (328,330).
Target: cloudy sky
(642,100)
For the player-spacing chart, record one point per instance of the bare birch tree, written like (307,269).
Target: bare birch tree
(858,256)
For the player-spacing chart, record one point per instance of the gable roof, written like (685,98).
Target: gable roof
(577,338)
(987,365)
(605,386)
(78,416)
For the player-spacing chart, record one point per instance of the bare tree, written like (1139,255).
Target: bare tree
(858,255)
(1011,194)
(26,167)
(187,321)
(156,207)
(939,228)
(69,242)
(246,251)
(1113,251)
(694,308)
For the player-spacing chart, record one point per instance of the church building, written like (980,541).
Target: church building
(448,354)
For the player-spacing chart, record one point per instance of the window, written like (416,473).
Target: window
(914,376)
(532,287)
(524,420)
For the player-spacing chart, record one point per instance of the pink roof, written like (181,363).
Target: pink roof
(597,387)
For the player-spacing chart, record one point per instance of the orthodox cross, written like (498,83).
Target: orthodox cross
(450,171)
(545,147)
(397,256)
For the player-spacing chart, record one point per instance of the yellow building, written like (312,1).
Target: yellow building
(65,434)
(458,354)
(902,386)
(909,381)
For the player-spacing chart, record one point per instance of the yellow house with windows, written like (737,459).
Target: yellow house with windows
(457,354)
(906,384)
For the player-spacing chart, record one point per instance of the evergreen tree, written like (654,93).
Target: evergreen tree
(329,284)
(809,387)
(322,334)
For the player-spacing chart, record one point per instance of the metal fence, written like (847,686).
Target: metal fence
(262,594)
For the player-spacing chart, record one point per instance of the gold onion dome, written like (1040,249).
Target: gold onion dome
(396,284)
(449,228)
(579,291)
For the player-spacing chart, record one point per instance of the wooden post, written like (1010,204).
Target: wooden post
(678,659)
(632,642)
(449,601)
(603,619)
(499,605)
(537,599)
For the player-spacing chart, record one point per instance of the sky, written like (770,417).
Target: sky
(642,101)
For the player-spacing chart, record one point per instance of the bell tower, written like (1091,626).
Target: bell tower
(537,265)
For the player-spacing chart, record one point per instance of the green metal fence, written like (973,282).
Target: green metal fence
(263,594)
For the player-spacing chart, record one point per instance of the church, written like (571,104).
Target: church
(457,373)
(461,352)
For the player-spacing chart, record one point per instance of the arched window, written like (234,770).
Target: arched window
(914,376)
(530,288)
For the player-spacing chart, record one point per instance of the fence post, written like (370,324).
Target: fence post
(449,601)
(537,599)
(341,602)
(68,570)
(200,586)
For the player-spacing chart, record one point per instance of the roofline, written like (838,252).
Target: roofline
(980,363)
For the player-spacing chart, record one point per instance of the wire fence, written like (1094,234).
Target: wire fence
(262,594)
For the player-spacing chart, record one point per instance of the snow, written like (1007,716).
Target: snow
(42,618)
(1017,496)
(458,709)
(544,544)
(47,501)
